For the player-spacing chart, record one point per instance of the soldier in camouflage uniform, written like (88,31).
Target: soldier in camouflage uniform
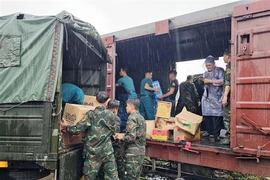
(226,96)
(113,106)
(189,96)
(134,140)
(99,127)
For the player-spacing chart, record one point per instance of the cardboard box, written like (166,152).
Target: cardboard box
(150,125)
(91,101)
(188,121)
(160,134)
(157,85)
(74,113)
(164,109)
(165,123)
(179,134)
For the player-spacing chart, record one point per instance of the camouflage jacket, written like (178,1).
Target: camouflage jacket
(227,77)
(188,93)
(99,126)
(134,139)
(117,123)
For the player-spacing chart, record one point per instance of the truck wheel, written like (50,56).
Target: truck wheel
(26,174)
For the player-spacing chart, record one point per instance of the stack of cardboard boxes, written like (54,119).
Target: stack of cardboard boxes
(185,126)
(74,113)
(163,123)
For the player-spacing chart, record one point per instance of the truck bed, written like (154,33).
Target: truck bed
(25,131)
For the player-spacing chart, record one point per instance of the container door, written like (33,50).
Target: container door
(250,75)
(111,47)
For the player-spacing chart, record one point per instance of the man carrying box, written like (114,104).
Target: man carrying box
(99,126)
(71,94)
(172,91)
(147,97)
(113,106)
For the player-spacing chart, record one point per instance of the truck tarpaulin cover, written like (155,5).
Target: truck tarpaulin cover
(31,50)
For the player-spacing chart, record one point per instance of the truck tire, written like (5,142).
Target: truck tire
(25,174)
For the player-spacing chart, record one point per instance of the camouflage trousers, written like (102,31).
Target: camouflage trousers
(120,165)
(134,165)
(227,120)
(93,164)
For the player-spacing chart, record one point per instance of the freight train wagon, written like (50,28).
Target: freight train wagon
(245,27)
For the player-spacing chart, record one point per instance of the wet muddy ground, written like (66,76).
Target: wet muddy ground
(168,171)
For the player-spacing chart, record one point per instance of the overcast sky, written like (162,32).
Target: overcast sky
(110,15)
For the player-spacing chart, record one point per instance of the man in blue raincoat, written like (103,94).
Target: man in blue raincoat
(71,94)
(127,83)
(212,98)
(147,97)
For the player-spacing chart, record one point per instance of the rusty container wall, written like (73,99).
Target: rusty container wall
(110,45)
(250,75)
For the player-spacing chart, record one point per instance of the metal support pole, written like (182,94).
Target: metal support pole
(55,174)
(153,165)
(178,170)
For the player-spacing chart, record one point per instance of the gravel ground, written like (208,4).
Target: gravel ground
(154,177)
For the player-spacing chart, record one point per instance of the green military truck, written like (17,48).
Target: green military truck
(37,55)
